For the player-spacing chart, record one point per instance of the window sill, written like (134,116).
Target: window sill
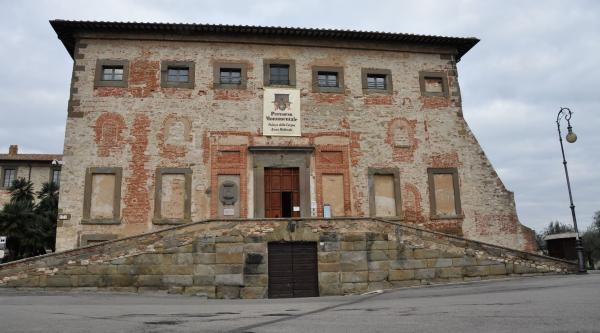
(101,221)
(177,85)
(110,84)
(329,90)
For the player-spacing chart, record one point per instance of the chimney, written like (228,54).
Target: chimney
(13,150)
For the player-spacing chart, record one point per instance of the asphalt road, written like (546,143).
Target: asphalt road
(534,304)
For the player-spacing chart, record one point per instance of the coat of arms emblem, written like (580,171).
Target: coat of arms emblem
(282,102)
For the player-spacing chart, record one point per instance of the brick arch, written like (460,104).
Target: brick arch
(108,130)
(401,135)
(412,204)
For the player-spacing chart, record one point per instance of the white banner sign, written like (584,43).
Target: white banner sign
(281,112)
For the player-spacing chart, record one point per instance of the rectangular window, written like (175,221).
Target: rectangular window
(230,76)
(333,193)
(102,196)
(111,73)
(172,197)
(327,79)
(433,84)
(10,174)
(56,177)
(177,74)
(376,81)
(444,193)
(280,74)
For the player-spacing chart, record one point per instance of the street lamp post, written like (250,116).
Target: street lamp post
(566,113)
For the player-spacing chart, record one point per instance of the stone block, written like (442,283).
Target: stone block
(229,248)
(179,269)
(229,279)
(378,275)
(230,258)
(355,276)
(228,292)
(204,248)
(204,258)
(449,272)
(353,237)
(148,259)
(229,269)
(253,292)
(148,269)
(229,239)
(354,288)
(177,280)
(148,281)
(346,246)
(476,270)
(102,269)
(77,270)
(485,261)
(204,280)
(354,257)
(377,255)
(426,253)
(328,257)
(442,262)
(510,267)
(425,274)
(260,280)
(126,269)
(406,283)
(329,278)
(408,264)
(359,246)
(499,269)
(255,269)
(117,280)
(379,285)
(523,269)
(173,290)
(402,274)
(204,269)
(464,261)
(329,246)
(377,245)
(330,267)
(183,259)
(205,291)
(255,247)
(330,289)
(375,236)
(30,282)
(328,237)
(58,281)
(378,265)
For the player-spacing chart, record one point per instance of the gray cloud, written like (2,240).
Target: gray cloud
(534,57)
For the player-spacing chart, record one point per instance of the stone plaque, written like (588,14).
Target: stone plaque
(281,112)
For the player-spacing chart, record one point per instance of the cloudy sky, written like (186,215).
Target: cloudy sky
(533,58)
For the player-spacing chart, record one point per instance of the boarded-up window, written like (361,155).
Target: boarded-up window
(434,84)
(103,191)
(444,194)
(385,196)
(173,196)
(333,193)
(102,196)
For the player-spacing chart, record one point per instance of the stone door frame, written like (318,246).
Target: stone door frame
(281,157)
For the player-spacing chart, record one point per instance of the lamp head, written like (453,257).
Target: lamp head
(571,136)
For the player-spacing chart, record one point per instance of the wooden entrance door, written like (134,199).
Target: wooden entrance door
(293,270)
(282,192)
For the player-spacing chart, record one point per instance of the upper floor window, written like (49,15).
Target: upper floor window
(111,73)
(444,194)
(328,79)
(230,76)
(376,81)
(10,174)
(279,72)
(177,74)
(433,84)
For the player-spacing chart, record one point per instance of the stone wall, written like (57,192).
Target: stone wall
(229,259)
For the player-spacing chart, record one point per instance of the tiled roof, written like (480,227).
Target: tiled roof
(31,157)
(66,31)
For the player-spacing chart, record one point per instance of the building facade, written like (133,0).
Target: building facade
(38,168)
(173,123)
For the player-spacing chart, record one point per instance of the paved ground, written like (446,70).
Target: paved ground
(535,304)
